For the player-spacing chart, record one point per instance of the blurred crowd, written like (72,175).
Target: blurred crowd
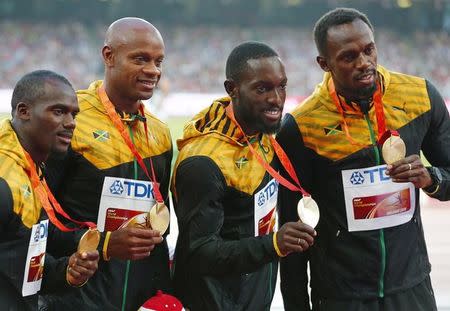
(195,56)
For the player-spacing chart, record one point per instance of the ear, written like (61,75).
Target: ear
(108,55)
(231,87)
(23,111)
(322,63)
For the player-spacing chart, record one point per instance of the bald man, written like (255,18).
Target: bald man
(103,180)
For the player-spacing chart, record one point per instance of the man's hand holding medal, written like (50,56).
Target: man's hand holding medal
(410,169)
(401,168)
(137,237)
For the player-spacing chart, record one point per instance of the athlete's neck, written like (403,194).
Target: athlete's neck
(121,103)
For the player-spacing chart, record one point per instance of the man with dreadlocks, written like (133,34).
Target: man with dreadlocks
(355,143)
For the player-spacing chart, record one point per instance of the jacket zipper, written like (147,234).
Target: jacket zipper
(381,236)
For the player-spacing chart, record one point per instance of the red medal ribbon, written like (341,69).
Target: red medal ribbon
(279,152)
(111,111)
(386,135)
(48,201)
(379,112)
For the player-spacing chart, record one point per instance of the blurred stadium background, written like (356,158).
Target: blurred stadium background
(413,36)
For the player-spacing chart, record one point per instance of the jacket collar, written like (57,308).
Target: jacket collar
(323,92)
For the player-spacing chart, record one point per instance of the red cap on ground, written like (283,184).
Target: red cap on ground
(162,302)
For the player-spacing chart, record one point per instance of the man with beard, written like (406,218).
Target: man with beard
(44,106)
(225,200)
(119,159)
(370,252)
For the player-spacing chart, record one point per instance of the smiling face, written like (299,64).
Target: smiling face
(133,60)
(50,119)
(258,97)
(351,58)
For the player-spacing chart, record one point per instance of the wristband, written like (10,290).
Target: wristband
(434,191)
(105,246)
(436,178)
(275,245)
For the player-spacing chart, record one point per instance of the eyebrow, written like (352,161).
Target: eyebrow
(61,106)
(268,82)
(144,53)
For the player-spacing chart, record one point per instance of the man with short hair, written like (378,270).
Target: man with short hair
(118,165)
(44,106)
(370,253)
(225,200)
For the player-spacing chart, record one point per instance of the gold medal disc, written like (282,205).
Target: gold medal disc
(89,241)
(159,217)
(393,149)
(308,211)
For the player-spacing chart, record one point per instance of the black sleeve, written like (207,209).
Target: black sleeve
(61,243)
(436,144)
(293,268)
(200,190)
(6,205)
(54,270)
(60,246)
(54,279)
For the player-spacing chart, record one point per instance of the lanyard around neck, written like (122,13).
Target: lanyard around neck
(379,112)
(111,111)
(48,201)
(279,152)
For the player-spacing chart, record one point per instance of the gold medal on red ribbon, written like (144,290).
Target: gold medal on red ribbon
(308,211)
(307,208)
(89,241)
(393,149)
(159,217)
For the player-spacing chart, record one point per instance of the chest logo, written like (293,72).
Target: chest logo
(241,162)
(333,130)
(101,135)
(26,191)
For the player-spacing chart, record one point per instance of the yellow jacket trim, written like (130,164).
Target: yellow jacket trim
(212,134)
(94,132)
(13,167)
(404,99)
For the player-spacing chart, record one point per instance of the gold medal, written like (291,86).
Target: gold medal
(89,241)
(159,217)
(393,149)
(308,211)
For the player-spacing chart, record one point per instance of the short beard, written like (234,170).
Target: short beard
(269,129)
(57,154)
(367,92)
(256,124)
